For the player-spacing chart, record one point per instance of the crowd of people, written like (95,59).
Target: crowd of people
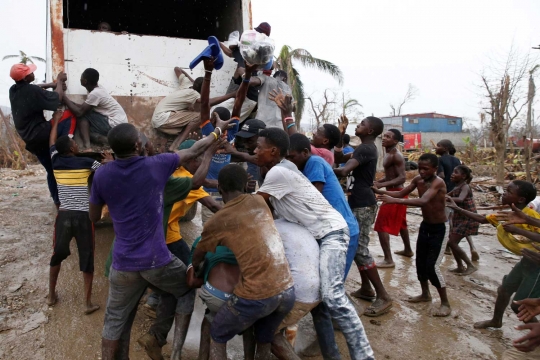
(279,233)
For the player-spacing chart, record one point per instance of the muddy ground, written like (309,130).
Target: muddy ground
(29,329)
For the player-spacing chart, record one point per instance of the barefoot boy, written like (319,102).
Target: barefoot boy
(71,173)
(523,278)
(431,236)
(392,218)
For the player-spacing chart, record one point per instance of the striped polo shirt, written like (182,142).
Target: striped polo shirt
(71,174)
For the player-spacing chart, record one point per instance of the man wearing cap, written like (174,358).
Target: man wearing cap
(245,144)
(28,102)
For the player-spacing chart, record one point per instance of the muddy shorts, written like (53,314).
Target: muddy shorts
(392,218)
(430,252)
(265,315)
(74,224)
(214,299)
(365,217)
(523,280)
(99,124)
(298,311)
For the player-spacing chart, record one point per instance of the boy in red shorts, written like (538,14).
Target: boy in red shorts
(392,218)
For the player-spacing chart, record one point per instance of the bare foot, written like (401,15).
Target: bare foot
(468,271)
(457,270)
(487,324)
(52,300)
(385,264)
(474,255)
(404,253)
(443,310)
(91,308)
(419,298)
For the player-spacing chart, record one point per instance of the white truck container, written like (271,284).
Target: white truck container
(148,39)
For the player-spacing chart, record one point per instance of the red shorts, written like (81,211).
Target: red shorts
(391,218)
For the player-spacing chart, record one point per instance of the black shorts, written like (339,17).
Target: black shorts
(430,252)
(74,224)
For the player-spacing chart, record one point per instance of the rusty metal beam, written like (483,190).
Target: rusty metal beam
(57,36)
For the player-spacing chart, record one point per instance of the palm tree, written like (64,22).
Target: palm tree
(285,62)
(24,58)
(349,104)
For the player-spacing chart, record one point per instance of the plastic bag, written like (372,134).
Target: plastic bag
(234,38)
(256,48)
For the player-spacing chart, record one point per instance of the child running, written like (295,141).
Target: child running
(431,236)
(461,225)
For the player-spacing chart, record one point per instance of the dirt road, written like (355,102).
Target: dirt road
(31,330)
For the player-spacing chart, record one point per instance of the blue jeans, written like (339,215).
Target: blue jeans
(238,314)
(168,305)
(44,157)
(333,254)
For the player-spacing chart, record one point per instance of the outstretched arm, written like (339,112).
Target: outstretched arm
(242,90)
(429,195)
(77,109)
(398,194)
(476,217)
(57,115)
(200,175)
(200,146)
(349,166)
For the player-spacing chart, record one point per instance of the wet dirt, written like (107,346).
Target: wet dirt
(29,329)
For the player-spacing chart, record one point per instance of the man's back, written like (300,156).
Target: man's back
(27,104)
(245,226)
(106,105)
(268,111)
(133,190)
(297,200)
(447,163)
(363,176)
(71,174)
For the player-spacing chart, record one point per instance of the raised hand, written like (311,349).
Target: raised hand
(209,64)
(222,124)
(343,122)
(62,76)
(251,68)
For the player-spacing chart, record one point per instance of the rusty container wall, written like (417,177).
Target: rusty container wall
(137,70)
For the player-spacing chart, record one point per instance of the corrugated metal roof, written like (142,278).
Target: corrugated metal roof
(431,115)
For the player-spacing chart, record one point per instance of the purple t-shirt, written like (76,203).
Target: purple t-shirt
(133,191)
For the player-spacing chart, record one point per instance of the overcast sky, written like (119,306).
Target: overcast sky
(381,46)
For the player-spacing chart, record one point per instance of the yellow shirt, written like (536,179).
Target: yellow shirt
(182,207)
(515,243)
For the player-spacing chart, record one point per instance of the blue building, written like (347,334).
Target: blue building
(425,122)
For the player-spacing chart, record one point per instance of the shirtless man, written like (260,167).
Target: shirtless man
(392,218)
(431,236)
